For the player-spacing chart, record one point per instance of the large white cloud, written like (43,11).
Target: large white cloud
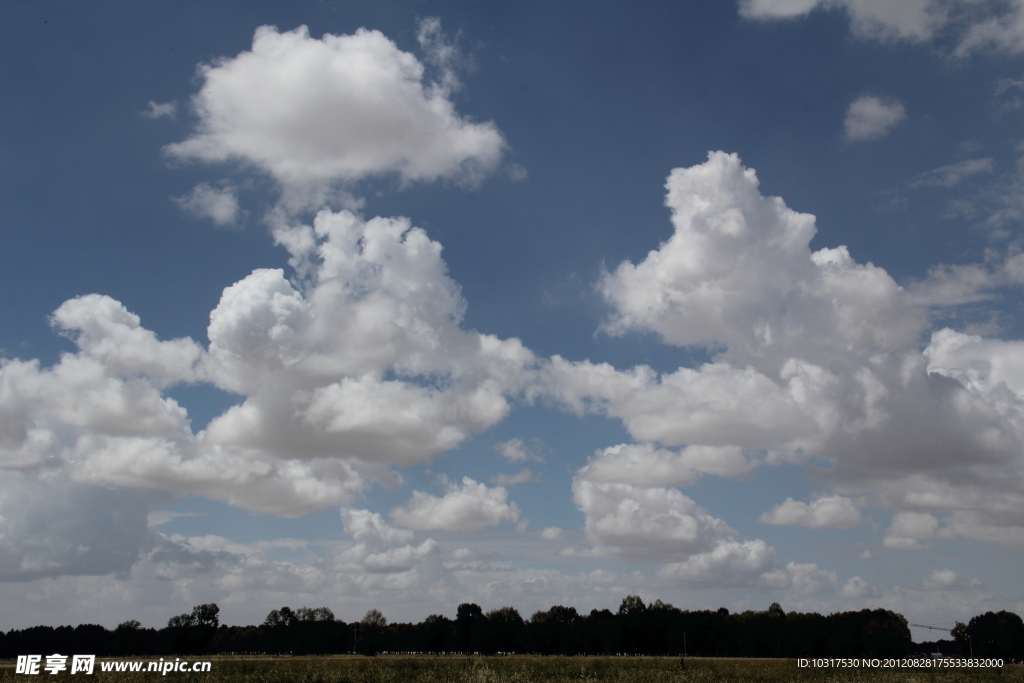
(368,362)
(814,356)
(99,416)
(737,272)
(357,365)
(312,112)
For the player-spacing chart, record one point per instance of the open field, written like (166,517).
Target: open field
(525,669)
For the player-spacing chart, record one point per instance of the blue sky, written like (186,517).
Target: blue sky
(399,305)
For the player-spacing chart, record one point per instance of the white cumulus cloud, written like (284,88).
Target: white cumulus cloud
(813,355)
(469,507)
(737,272)
(380,547)
(356,365)
(315,112)
(642,522)
(314,363)
(644,465)
(727,564)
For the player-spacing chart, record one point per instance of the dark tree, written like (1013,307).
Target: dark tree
(281,617)
(438,633)
(632,604)
(632,624)
(553,632)
(192,633)
(469,621)
(997,634)
(372,636)
(506,631)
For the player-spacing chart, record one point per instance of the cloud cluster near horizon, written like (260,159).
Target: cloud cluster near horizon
(819,360)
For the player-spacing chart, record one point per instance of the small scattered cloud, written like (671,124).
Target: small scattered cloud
(908,529)
(802,578)
(158,517)
(160,110)
(952,174)
(1008,94)
(871,118)
(856,588)
(775,9)
(551,533)
(205,201)
(516,172)
(830,512)
(973,26)
(523,476)
(463,554)
(515,450)
(442,53)
(946,579)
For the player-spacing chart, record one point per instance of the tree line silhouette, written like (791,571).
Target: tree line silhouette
(635,629)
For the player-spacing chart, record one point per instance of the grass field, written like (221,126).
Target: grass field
(524,669)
